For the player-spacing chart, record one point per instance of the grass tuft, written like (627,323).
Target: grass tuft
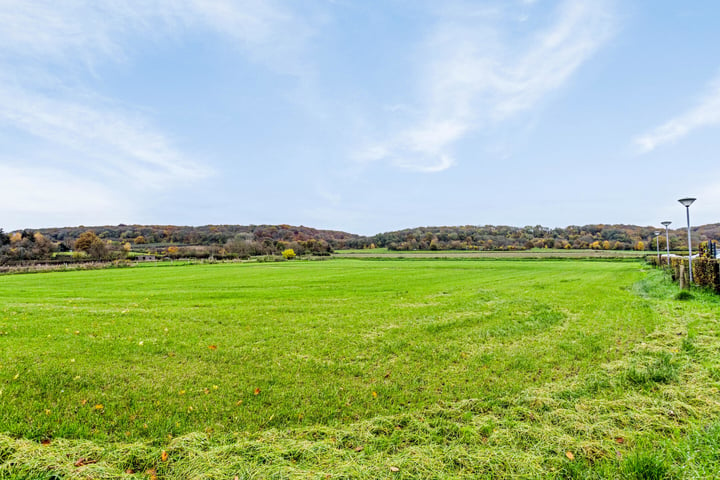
(684,295)
(646,465)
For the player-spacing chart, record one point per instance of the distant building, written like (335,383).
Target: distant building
(145,258)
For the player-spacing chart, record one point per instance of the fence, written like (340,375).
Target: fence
(706,271)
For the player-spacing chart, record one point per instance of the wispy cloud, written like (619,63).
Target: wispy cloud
(91,31)
(105,139)
(705,114)
(476,74)
(48,47)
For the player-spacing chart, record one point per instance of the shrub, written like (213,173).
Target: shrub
(684,295)
(288,254)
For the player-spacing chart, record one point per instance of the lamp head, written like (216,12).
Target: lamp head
(686,202)
(666,223)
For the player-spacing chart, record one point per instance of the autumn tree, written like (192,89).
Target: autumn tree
(91,244)
(86,240)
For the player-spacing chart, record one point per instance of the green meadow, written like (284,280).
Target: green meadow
(359,368)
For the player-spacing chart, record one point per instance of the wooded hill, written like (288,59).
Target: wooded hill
(491,237)
(242,241)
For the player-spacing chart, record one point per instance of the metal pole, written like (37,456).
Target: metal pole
(657,245)
(687,209)
(667,241)
(686,202)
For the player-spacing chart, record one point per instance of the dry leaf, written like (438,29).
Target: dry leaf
(394,469)
(129,471)
(359,449)
(153,474)
(570,455)
(45,441)
(620,440)
(257,391)
(84,461)
(164,456)
(212,347)
(374,394)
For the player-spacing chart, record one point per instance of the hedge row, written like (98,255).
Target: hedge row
(706,271)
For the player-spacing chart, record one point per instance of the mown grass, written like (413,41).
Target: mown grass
(358,369)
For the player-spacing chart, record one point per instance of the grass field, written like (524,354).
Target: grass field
(538,253)
(358,369)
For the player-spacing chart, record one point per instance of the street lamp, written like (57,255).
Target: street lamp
(686,202)
(667,239)
(657,245)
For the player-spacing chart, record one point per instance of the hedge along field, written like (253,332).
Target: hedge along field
(355,368)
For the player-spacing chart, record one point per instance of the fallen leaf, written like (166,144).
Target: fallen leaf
(153,474)
(212,347)
(387,375)
(99,406)
(129,471)
(45,441)
(359,449)
(620,440)
(257,391)
(164,456)
(570,455)
(394,469)
(83,401)
(374,394)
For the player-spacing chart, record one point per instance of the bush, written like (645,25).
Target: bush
(288,254)
(706,271)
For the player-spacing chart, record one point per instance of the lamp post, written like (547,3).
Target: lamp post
(657,245)
(686,202)
(667,239)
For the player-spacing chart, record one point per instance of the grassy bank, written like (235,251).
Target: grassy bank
(361,369)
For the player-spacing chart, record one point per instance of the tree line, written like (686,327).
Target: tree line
(494,237)
(244,241)
(122,241)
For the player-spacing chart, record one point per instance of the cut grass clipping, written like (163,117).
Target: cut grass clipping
(358,369)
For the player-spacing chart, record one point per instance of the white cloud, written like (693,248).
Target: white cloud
(35,197)
(83,33)
(705,114)
(476,75)
(46,46)
(104,139)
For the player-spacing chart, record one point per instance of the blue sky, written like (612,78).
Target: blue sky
(363,116)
